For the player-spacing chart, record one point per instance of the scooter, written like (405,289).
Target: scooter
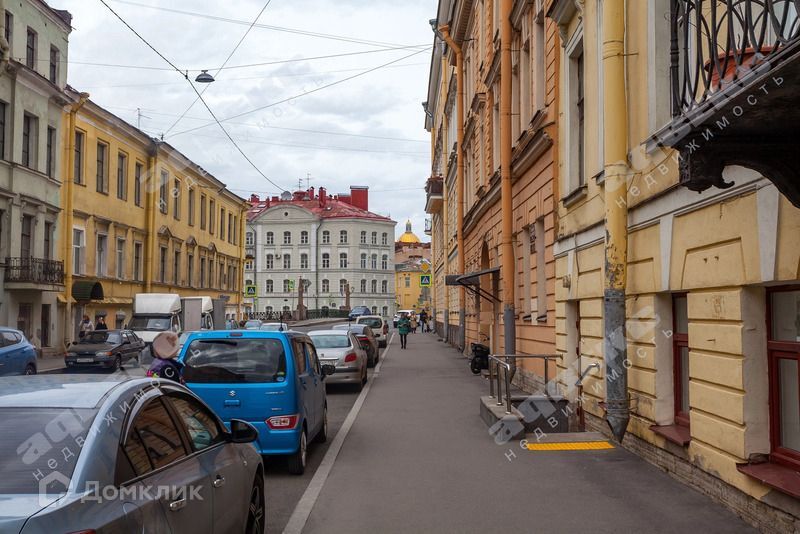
(480,358)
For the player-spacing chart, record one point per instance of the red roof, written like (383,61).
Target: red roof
(329,207)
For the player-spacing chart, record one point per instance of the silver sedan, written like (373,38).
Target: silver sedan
(342,349)
(108,454)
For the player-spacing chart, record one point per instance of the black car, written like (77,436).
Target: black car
(358,311)
(109,349)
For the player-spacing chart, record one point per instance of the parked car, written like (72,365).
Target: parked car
(273,380)
(17,354)
(343,350)
(274,327)
(252,324)
(358,311)
(153,458)
(109,349)
(367,338)
(379,327)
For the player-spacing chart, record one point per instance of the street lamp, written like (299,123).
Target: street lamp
(204,77)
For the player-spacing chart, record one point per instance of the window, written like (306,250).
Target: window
(287,286)
(385,311)
(3,112)
(137,262)
(154,440)
(287,261)
(176,199)
(343,287)
(326,286)
(374,261)
(287,238)
(176,267)
(269,264)
(9,29)
(102,255)
(374,286)
(222,223)
(343,260)
(304,238)
(270,238)
(54,60)
(162,265)
(79,137)
(29,127)
(326,261)
(30,49)
(384,262)
(210,272)
(190,270)
(191,207)
(248,238)
(343,237)
(363,286)
(575,119)
(201,425)
(230,227)
(363,237)
(26,237)
(384,286)
(202,212)
(137,183)
(304,261)
(52,143)
(408,281)
(384,238)
(374,238)
(122,176)
(363,261)
(680,355)
(784,375)
(202,272)
(102,168)
(48,240)
(248,265)
(269,286)
(374,310)
(120,258)
(78,251)
(211,216)
(326,237)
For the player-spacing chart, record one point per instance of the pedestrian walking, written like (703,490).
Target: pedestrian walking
(414,324)
(403,328)
(423,321)
(165,351)
(85,326)
(101,324)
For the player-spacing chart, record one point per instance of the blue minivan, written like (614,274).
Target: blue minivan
(273,380)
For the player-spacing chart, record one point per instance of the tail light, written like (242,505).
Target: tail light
(363,339)
(283,422)
(350,357)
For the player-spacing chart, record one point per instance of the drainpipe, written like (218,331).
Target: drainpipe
(507,242)
(240,282)
(445,207)
(616,248)
(151,191)
(462,295)
(5,46)
(67,189)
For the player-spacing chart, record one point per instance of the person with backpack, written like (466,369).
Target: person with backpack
(165,353)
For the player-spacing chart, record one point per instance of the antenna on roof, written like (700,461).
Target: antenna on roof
(299,184)
(308,180)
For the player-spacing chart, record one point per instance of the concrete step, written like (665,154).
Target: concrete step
(566,437)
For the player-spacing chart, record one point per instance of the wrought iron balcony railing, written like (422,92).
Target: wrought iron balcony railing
(718,43)
(34,270)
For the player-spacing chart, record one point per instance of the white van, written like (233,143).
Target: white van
(154,313)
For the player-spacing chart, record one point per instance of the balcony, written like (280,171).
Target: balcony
(734,73)
(434,189)
(34,273)
(428,227)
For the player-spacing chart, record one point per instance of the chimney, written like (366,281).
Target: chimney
(254,199)
(359,195)
(311,193)
(274,199)
(323,197)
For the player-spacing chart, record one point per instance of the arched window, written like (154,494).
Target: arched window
(343,287)
(385,239)
(287,286)
(270,263)
(326,261)
(269,286)
(248,238)
(385,262)
(374,261)
(287,238)
(270,238)
(374,238)
(326,286)
(269,309)
(374,286)
(363,261)
(363,286)
(304,238)
(374,310)
(384,286)
(385,311)
(326,237)
(304,261)
(287,261)
(342,237)
(343,260)
(363,237)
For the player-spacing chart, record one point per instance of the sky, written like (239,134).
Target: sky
(368,130)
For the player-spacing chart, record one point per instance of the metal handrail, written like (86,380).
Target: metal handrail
(585,372)
(501,360)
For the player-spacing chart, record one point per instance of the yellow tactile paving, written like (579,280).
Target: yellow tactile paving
(571,446)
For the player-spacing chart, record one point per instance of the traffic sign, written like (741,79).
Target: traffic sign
(291,285)
(424,280)
(250,291)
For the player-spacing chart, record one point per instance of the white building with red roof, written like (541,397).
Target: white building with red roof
(332,242)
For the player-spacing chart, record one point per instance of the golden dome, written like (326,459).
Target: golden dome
(408,236)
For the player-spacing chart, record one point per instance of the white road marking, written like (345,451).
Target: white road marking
(306,503)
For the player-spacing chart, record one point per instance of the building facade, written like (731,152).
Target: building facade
(141,217)
(413,272)
(33,73)
(342,253)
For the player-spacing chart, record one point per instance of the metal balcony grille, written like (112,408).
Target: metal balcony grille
(34,270)
(719,43)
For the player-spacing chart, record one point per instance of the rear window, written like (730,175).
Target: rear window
(372,322)
(39,437)
(331,341)
(235,361)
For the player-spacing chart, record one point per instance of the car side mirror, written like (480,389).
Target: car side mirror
(242,432)
(328,369)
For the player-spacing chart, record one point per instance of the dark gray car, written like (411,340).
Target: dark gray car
(367,338)
(110,454)
(109,349)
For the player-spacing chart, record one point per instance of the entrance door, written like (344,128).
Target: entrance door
(25,318)
(45,325)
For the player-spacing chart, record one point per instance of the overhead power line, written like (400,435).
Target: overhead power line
(195,90)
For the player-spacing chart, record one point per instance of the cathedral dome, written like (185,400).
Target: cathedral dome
(408,236)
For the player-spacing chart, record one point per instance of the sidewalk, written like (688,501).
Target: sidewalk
(420,459)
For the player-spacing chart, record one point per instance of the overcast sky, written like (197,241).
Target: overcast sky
(364,131)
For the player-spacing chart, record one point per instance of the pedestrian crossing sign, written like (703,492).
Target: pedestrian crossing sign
(250,291)
(424,280)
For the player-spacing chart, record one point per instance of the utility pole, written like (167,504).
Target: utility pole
(616,246)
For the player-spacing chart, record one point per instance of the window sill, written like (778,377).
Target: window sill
(677,434)
(576,195)
(780,477)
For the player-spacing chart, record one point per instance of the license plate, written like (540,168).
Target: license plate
(85,360)
(329,361)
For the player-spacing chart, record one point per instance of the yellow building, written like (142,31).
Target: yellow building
(141,217)
(710,279)
(412,272)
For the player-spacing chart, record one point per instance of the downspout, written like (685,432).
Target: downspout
(239,284)
(616,247)
(462,295)
(69,216)
(445,208)
(150,197)
(506,192)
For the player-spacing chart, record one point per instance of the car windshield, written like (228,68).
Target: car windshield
(331,341)
(252,324)
(159,323)
(25,460)
(99,336)
(221,361)
(274,327)
(372,322)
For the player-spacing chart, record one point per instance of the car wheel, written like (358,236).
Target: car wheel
(30,369)
(255,511)
(297,461)
(322,435)
(117,364)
